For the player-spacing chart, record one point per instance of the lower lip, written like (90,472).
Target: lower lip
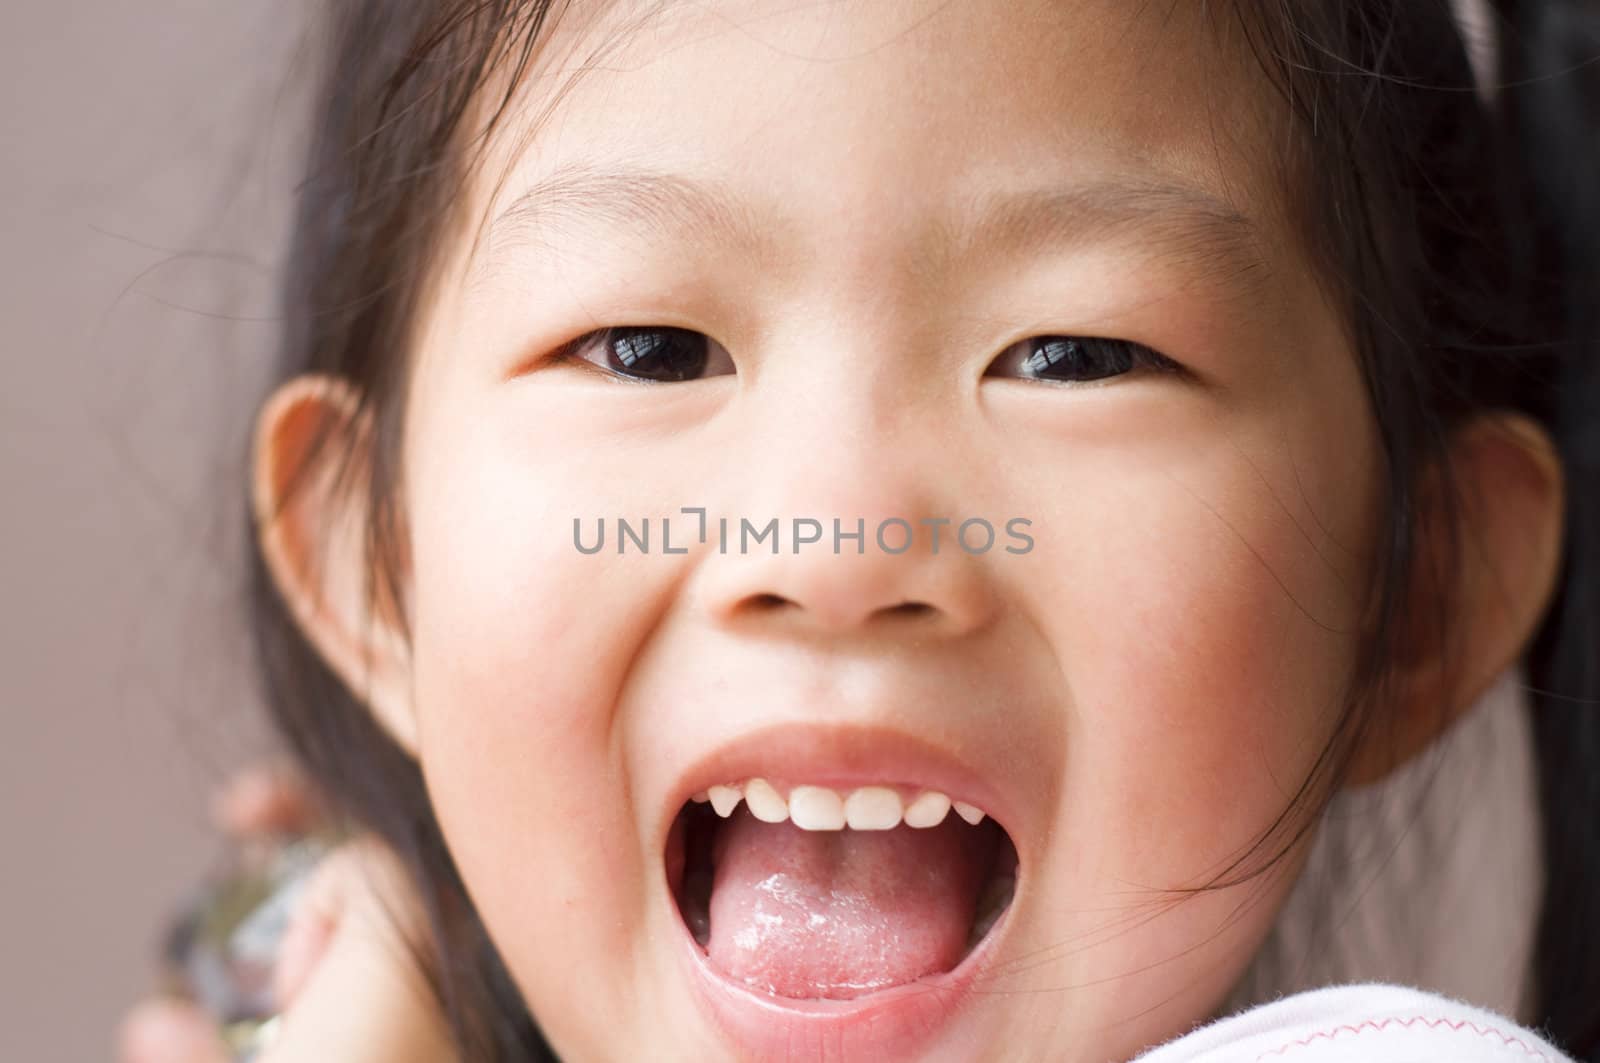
(890,1024)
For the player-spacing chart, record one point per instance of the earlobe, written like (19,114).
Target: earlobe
(311,518)
(1479,596)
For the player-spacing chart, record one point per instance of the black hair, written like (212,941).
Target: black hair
(1551,67)
(1459,236)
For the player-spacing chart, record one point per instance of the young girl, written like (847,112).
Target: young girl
(1096,525)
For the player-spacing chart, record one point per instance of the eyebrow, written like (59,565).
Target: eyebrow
(1183,221)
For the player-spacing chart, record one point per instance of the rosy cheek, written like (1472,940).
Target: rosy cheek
(1206,644)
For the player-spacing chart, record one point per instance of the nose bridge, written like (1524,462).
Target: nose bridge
(876,384)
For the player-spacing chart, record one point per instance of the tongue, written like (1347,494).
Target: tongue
(838,914)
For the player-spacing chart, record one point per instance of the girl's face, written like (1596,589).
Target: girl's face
(851,244)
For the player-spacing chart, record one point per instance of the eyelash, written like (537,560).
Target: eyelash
(1034,358)
(605,338)
(1039,354)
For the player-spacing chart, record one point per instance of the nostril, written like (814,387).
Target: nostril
(768,602)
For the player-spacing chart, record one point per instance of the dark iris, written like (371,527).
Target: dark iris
(655,353)
(1078,359)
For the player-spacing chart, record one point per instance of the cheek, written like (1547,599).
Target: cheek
(521,645)
(1211,687)
(1208,630)
(1204,612)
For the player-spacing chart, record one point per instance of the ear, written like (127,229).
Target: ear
(1510,507)
(312,526)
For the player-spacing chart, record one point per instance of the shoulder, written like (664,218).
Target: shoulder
(1371,1023)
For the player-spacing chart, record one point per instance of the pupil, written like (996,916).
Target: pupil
(658,354)
(1051,353)
(1061,358)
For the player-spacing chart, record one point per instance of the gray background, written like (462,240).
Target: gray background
(147,159)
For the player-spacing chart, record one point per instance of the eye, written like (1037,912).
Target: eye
(1077,359)
(651,353)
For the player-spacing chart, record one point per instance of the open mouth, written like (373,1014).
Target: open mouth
(812,893)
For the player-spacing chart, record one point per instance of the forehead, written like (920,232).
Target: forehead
(786,126)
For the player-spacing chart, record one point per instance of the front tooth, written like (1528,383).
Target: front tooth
(872,808)
(928,810)
(766,804)
(816,808)
(700,798)
(971,813)
(724,799)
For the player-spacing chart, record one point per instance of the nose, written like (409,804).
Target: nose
(818,591)
(858,550)
(852,437)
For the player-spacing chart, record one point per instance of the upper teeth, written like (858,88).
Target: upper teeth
(821,808)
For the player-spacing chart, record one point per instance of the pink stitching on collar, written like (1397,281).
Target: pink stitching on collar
(1369,1024)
